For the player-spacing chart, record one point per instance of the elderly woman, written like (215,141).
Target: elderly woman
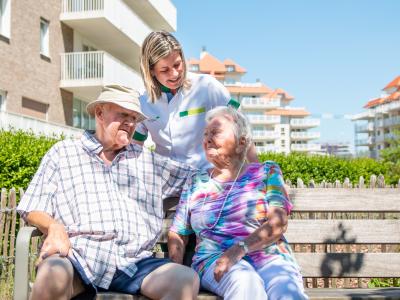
(239,213)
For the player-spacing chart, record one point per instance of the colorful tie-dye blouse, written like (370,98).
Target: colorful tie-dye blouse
(219,225)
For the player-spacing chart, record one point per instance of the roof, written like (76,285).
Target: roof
(230,62)
(374,102)
(280,91)
(288,112)
(208,64)
(394,83)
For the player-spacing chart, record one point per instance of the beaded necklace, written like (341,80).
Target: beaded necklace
(223,203)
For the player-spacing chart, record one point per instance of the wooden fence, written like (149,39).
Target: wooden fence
(10,223)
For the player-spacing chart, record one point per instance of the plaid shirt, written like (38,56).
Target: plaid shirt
(113,214)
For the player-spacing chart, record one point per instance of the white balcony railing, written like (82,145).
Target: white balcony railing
(96,68)
(37,126)
(304,123)
(266,148)
(305,147)
(81,5)
(260,102)
(265,135)
(365,142)
(305,135)
(263,119)
(364,127)
(391,121)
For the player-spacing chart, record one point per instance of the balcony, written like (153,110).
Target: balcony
(362,128)
(366,115)
(266,148)
(304,123)
(305,147)
(111,25)
(263,103)
(305,135)
(365,142)
(85,73)
(37,126)
(393,121)
(263,119)
(262,135)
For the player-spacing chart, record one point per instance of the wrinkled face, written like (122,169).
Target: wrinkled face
(219,141)
(169,71)
(117,124)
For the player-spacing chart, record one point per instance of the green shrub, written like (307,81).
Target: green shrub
(328,168)
(20,156)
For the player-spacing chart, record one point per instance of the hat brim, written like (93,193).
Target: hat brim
(91,108)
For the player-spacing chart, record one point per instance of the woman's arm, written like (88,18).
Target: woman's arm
(268,233)
(176,246)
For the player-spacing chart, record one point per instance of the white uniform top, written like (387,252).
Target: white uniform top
(177,126)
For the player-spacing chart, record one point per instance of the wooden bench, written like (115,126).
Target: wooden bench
(341,238)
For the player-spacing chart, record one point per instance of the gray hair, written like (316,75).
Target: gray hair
(240,125)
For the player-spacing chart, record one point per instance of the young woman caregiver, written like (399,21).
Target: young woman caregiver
(176,102)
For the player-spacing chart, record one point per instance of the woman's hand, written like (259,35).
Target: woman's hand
(227,260)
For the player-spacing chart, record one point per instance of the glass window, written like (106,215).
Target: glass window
(194,68)
(81,118)
(230,68)
(5,18)
(2,100)
(44,37)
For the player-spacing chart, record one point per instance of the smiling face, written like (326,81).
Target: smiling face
(115,125)
(169,70)
(220,143)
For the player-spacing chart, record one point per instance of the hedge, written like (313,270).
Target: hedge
(20,156)
(21,153)
(330,168)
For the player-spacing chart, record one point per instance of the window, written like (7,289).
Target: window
(81,118)
(2,100)
(44,37)
(5,18)
(194,68)
(34,108)
(230,68)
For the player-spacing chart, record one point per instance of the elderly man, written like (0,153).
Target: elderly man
(98,202)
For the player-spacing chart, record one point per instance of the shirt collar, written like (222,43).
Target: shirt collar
(90,142)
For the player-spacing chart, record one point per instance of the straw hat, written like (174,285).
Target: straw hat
(120,95)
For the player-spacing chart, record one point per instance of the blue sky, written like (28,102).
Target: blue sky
(332,56)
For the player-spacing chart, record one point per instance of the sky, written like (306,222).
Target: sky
(331,55)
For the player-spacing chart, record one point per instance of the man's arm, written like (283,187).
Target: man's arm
(57,240)
(176,246)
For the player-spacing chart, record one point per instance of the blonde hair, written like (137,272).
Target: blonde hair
(156,46)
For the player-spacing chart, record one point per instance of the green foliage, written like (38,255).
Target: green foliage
(20,156)
(328,168)
(384,282)
(391,157)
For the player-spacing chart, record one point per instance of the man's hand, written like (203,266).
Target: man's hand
(57,241)
(227,260)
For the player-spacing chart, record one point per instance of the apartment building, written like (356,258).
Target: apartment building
(276,126)
(375,126)
(56,55)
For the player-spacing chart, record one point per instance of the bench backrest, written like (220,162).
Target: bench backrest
(337,232)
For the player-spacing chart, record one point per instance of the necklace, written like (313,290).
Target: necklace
(223,203)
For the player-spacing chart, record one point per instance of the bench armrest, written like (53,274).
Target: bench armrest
(21,277)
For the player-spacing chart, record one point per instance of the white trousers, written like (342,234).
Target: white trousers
(277,279)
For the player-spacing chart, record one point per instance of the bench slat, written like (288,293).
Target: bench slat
(344,231)
(334,231)
(358,265)
(354,200)
(354,294)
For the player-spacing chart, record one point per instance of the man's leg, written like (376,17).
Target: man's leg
(56,279)
(171,282)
